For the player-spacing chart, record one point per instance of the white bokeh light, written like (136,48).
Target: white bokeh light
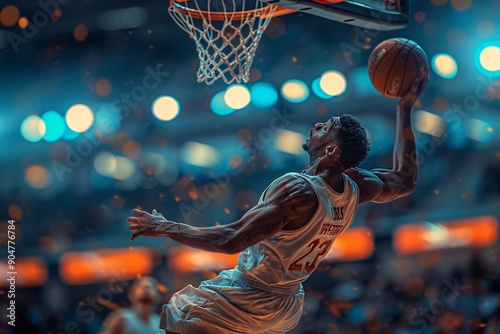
(295,91)
(333,83)
(33,128)
(166,108)
(79,118)
(444,65)
(237,97)
(490,58)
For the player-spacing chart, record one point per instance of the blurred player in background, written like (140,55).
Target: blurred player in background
(291,229)
(140,317)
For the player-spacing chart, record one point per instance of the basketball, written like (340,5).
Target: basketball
(394,64)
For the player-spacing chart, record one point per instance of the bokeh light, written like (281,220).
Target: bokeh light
(295,91)
(37,176)
(489,58)
(199,154)
(478,130)
(55,126)
(237,96)
(316,88)
(33,128)
(333,83)
(9,15)
(23,22)
(264,95)
(289,142)
(124,168)
(444,65)
(429,123)
(103,87)
(166,108)
(80,32)
(79,118)
(105,163)
(461,5)
(15,212)
(219,106)
(131,149)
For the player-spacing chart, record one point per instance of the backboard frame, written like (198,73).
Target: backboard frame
(357,13)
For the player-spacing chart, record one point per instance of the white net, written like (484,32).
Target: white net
(226,33)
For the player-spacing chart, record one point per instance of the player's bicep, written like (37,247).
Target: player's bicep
(379,185)
(393,186)
(282,203)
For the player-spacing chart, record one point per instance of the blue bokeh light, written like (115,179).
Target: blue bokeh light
(55,126)
(219,106)
(316,88)
(264,95)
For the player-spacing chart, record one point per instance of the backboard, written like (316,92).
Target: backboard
(368,14)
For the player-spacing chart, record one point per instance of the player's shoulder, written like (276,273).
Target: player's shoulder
(294,185)
(293,179)
(362,175)
(368,183)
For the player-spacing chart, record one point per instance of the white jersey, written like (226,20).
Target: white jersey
(281,262)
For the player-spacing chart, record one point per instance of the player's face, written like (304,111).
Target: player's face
(321,135)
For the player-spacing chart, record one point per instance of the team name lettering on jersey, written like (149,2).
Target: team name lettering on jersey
(338,212)
(330,229)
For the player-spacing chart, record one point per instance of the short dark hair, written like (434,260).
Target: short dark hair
(353,141)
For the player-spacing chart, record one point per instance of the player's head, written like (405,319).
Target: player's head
(144,290)
(341,139)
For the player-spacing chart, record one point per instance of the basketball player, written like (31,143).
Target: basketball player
(140,317)
(291,229)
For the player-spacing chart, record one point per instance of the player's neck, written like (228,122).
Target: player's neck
(330,172)
(326,168)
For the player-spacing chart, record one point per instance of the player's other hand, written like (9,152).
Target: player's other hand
(409,99)
(147,224)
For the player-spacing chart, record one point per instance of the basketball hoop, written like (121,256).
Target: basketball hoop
(226,33)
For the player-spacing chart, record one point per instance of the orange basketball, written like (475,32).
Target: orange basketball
(394,64)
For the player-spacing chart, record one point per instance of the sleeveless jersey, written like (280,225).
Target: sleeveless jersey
(280,263)
(132,324)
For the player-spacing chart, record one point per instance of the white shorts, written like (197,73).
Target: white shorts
(224,305)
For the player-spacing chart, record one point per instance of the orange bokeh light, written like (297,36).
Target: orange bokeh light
(96,266)
(31,271)
(468,232)
(354,244)
(9,15)
(81,32)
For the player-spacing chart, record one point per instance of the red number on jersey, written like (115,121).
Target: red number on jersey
(309,266)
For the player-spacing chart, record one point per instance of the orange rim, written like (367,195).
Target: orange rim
(223,16)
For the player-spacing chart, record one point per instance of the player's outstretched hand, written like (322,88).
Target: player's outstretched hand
(409,99)
(147,224)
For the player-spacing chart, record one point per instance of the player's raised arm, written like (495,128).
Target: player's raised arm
(285,200)
(385,185)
